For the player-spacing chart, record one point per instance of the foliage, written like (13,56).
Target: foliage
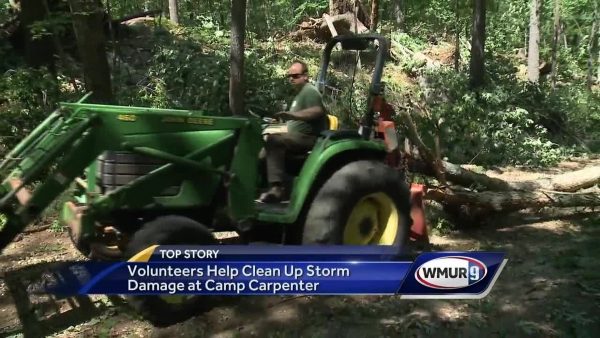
(505,122)
(181,74)
(4,11)
(26,96)
(408,64)
(56,226)
(501,124)
(508,27)
(3,221)
(313,8)
(55,23)
(266,17)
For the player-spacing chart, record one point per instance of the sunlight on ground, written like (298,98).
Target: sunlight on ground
(556,227)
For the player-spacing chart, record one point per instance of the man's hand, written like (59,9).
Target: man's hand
(284,115)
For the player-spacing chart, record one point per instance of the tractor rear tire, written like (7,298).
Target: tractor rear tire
(168,230)
(363,203)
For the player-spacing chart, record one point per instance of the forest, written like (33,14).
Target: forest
(497,104)
(533,68)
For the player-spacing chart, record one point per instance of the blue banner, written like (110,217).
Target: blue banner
(274,253)
(284,270)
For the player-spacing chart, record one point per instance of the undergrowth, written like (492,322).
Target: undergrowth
(507,121)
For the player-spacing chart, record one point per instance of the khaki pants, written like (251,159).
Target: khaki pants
(277,145)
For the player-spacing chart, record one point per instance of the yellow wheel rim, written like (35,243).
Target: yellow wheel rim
(373,220)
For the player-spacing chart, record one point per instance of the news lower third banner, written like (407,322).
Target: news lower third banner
(283,270)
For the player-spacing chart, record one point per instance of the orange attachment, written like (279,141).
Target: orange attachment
(387,111)
(418,231)
(383,125)
(388,130)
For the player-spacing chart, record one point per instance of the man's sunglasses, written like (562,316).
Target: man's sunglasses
(295,76)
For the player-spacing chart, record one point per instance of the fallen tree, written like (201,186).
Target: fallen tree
(324,28)
(462,192)
(471,197)
(514,200)
(345,17)
(567,182)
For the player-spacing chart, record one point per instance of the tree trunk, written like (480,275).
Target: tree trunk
(591,48)
(555,43)
(238,32)
(399,13)
(344,24)
(513,200)
(485,195)
(173,12)
(337,7)
(374,14)
(89,32)
(38,51)
(267,8)
(576,180)
(563,31)
(457,38)
(533,54)
(135,16)
(567,182)
(246,10)
(477,66)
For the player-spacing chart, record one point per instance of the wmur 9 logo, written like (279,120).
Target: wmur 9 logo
(451,272)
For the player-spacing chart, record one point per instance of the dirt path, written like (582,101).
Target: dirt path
(549,288)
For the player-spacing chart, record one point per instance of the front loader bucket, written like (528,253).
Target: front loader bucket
(67,144)
(28,162)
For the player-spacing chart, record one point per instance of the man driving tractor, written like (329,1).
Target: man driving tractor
(306,118)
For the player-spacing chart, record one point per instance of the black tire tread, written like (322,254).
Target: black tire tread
(331,206)
(169,230)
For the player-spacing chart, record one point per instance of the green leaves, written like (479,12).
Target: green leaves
(26,96)
(311,8)
(501,124)
(191,71)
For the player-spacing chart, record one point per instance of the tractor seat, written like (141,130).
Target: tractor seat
(334,132)
(333,122)
(295,161)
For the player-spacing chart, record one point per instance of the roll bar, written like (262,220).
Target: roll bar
(359,42)
(356,42)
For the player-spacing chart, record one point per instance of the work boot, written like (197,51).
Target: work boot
(274,195)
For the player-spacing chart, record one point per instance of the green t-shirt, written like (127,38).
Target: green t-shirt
(308,96)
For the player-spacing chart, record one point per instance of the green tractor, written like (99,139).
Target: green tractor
(137,177)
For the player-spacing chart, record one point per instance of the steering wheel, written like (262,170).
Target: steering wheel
(264,119)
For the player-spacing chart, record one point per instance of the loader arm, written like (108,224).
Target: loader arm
(59,150)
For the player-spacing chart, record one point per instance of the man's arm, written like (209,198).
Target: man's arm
(307,114)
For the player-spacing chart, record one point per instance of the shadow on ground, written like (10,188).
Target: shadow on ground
(39,315)
(549,288)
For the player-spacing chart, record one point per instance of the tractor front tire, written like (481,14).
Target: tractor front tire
(363,203)
(168,230)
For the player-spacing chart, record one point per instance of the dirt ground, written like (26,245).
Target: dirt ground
(549,288)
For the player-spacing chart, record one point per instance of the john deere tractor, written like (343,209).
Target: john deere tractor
(135,177)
